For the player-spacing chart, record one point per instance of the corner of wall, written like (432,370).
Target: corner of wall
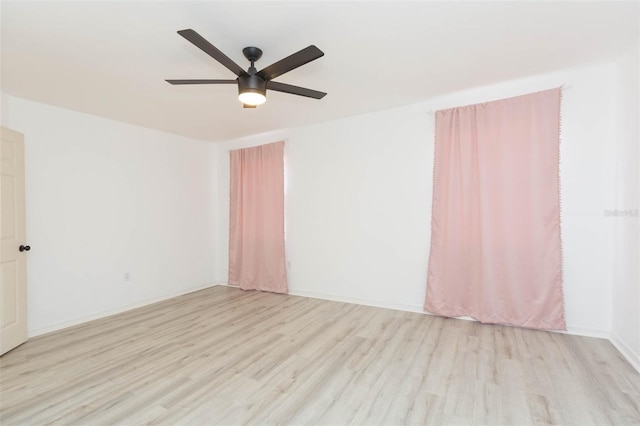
(631,356)
(625,235)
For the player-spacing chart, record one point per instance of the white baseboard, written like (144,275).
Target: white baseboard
(357,301)
(109,312)
(577,331)
(626,351)
(586,332)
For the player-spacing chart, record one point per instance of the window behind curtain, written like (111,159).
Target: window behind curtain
(256,219)
(495,233)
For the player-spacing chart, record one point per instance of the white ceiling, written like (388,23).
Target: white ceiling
(111,58)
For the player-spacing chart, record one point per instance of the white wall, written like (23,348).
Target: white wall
(104,198)
(626,274)
(355,227)
(359,196)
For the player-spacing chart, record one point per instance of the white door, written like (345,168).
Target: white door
(13,248)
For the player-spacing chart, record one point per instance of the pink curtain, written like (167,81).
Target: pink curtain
(256,219)
(495,231)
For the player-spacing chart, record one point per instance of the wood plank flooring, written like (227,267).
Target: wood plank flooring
(224,356)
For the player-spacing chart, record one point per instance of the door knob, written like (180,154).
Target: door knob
(24,248)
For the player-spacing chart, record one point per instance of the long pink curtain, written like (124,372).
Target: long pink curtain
(256,219)
(495,232)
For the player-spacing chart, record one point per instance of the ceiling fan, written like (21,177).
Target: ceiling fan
(253,84)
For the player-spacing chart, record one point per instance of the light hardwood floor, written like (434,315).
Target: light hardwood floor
(225,356)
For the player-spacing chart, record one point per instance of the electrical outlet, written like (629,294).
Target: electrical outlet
(126,276)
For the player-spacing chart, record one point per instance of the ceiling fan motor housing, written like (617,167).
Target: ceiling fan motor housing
(252,83)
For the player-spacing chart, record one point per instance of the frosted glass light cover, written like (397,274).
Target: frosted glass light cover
(252,98)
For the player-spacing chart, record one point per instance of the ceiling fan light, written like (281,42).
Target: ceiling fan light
(252,98)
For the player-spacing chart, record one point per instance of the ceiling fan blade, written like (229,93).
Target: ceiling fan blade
(248,106)
(291,62)
(294,90)
(201,81)
(212,51)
